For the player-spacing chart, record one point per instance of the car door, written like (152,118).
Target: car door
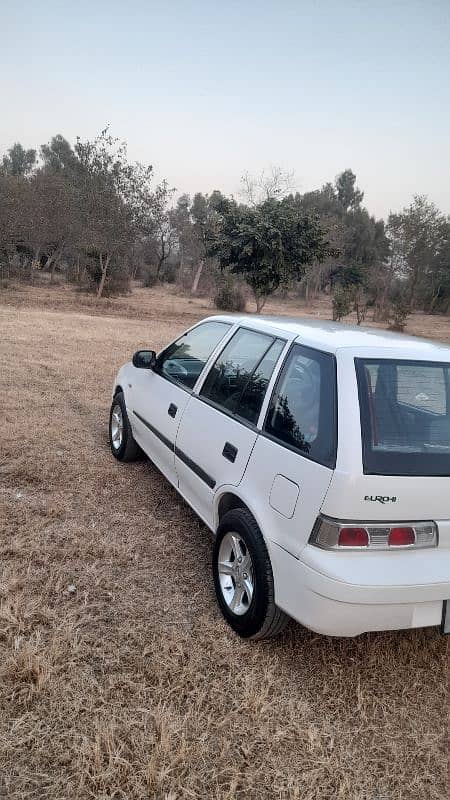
(218,428)
(159,396)
(294,457)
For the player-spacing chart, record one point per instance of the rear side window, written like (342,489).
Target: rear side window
(405,416)
(238,380)
(184,359)
(302,412)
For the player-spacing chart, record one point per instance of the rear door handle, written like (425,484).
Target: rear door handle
(230,452)
(172,410)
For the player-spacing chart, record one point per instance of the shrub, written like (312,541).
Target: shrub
(150,278)
(342,302)
(398,313)
(229,296)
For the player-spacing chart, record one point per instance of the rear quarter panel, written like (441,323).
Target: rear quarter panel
(284,491)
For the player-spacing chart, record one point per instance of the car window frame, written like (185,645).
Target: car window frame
(332,463)
(394,464)
(228,323)
(254,426)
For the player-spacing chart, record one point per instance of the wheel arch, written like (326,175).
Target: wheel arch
(228,498)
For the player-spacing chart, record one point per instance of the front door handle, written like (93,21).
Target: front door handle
(230,452)
(172,410)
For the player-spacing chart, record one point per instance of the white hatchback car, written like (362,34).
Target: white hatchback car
(317,453)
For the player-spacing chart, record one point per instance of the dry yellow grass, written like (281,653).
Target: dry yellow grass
(132,686)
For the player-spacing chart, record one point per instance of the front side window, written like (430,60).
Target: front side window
(302,410)
(184,360)
(405,416)
(238,381)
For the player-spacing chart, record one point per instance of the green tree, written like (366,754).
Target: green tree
(59,158)
(348,195)
(18,162)
(418,235)
(268,244)
(118,204)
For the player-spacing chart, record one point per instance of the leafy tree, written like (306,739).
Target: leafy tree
(163,236)
(349,196)
(182,224)
(195,222)
(118,203)
(59,158)
(268,244)
(438,296)
(18,162)
(419,234)
(11,221)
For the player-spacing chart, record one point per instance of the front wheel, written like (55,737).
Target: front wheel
(243,578)
(123,445)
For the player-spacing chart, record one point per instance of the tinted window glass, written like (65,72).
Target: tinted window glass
(238,380)
(252,397)
(302,411)
(184,360)
(405,416)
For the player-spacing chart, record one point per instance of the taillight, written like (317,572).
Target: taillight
(401,537)
(353,537)
(330,534)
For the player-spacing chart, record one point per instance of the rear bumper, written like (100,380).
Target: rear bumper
(340,596)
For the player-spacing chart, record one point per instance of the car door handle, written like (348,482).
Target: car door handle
(172,410)
(230,452)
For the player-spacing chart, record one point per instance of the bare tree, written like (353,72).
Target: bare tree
(271,184)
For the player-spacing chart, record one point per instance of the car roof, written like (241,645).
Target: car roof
(333,336)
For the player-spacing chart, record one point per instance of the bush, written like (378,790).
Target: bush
(230,296)
(150,278)
(342,303)
(398,313)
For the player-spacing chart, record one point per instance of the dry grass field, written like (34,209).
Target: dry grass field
(128,684)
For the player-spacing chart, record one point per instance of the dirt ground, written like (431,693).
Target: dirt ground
(118,677)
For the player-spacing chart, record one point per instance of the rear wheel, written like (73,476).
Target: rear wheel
(123,445)
(243,578)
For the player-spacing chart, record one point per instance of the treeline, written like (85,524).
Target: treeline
(88,213)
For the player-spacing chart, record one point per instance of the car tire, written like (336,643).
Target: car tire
(123,445)
(243,578)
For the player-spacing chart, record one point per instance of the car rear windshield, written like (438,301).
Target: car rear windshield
(405,416)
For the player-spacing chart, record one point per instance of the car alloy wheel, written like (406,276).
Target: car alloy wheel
(116,427)
(236,576)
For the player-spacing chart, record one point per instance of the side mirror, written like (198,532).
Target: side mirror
(144,359)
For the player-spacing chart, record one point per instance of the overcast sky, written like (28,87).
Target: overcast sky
(206,90)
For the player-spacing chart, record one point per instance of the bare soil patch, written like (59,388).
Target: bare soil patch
(131,685)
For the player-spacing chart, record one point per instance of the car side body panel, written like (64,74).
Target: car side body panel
(289,528)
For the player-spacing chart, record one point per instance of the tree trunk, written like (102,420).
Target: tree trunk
(54,259)
(54,263)
(434,300)
(104,268)
(305,285)
(260,302)
(197,276)
(34,264)
(181,267)
(161,260)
